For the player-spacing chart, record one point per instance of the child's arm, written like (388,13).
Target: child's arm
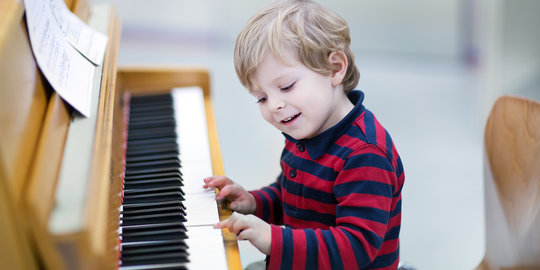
(368,192)
(269,202)
(241,200)
(249,227)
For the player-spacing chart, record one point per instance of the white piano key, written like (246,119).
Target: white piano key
(192,138)
(202,209)
(206,248)
(203,240)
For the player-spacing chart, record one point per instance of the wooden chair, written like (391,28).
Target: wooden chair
(512,185)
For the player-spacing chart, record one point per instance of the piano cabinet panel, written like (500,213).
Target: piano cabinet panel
(15,251)
(23,100)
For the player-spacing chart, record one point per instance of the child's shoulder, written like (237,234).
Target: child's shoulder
(368,134)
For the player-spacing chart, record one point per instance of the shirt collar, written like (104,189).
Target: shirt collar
(319,144)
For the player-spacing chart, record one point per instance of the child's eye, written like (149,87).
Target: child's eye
(288,87)
(261,100)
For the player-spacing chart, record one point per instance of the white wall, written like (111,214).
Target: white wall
(414,26)
(409,55)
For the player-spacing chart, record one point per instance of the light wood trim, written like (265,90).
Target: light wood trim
(230,240)
(94,246)
(39,198)
(98,205)
(143,80)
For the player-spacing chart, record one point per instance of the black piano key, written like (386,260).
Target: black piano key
(143,228)
(150,124)
(154,197)
(149,117)
(153,213)
(147,171)
(163,105)
(175,162)
(161,175)
(149,111)
(160,249)
(172,257)
(139,247)
(155,235)
(152,218)
(153,183)
(141,153)
(146,205)
(150,227)
(140,149)
(152,141)
(156,190)
(146,116)
(156,133)
(157,156)
(166,208)
(149,246)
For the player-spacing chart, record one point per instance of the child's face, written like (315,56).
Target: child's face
(297,100)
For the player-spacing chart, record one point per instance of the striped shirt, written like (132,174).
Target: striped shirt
(339,197)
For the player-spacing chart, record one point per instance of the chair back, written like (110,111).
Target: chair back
(512,184)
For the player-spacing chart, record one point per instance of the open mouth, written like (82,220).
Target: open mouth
(290,118)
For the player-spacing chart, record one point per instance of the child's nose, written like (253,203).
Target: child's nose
(278,103)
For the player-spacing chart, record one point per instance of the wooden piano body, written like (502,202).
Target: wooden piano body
(35,127)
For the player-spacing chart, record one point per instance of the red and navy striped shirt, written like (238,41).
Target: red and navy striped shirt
(339,197)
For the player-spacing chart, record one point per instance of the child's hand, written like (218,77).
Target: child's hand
(241,200)
(249,227)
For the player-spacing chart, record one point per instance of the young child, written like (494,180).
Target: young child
(339,192)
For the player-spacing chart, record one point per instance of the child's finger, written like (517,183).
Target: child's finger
(235,223)
(227,223)
(219,181)
(208,182)
(224,192)
(245,234)
(222,224)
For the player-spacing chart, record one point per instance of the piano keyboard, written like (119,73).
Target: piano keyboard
(167,217)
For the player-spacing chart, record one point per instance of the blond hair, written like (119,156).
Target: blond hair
(304,26)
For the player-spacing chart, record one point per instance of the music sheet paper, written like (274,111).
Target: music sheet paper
(68,72)
(85,39)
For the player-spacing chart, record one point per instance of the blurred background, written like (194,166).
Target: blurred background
(431,70)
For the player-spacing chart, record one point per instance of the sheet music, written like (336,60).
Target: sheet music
(86,40)
(68,72)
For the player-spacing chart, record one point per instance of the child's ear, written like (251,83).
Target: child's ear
(339,60)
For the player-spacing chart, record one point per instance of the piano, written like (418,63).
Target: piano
(121,189)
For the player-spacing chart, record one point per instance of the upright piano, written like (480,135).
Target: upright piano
(119,189)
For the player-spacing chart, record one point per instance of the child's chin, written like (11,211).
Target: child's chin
(298,136)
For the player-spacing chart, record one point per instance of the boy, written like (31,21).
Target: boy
(339,192)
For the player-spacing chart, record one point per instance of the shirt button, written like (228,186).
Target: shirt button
(292,173)
(300,147)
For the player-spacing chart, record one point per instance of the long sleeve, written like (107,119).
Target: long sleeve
(368,215)
(269,207)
